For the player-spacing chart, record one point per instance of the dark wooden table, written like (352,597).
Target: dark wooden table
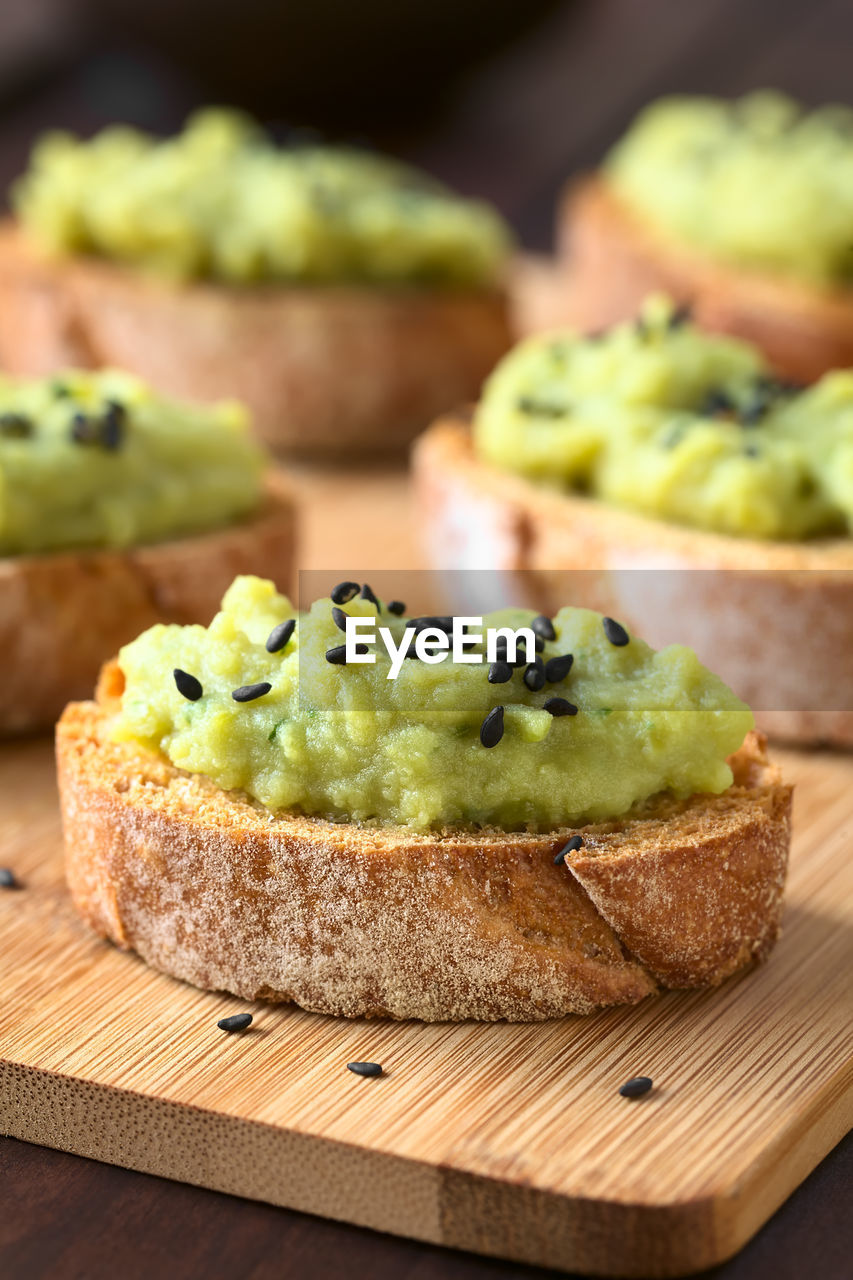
(510,132)
(64,1217)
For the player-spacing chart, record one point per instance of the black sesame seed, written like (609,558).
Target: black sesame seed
(499,672)
(112,425)
(8,879)
(752,451)
(188,685)
(571,846)
(680,316)
(441,622)
(636,1087)
(338,655)
(539,644)
(367,594)
(543,627)
(716,402)
(15,426)
(365,1068)
(502,654)
(248,692)
(558,668)
(339,618)
(560,707)
(492,728)
(396,606)
(280,635)
(615,632)
(344,592)
(534,675)
(237,1022)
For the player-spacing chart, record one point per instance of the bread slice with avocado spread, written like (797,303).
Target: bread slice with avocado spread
(344,298)
(739,209)
(118,509)
(664,476)
(482,903)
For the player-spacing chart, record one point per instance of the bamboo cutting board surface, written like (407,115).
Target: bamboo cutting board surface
(506,1140)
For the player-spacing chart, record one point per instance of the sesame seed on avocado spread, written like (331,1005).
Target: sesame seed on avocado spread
(659,417)
(759,182)
(100,460)
(221,201)
(344,741)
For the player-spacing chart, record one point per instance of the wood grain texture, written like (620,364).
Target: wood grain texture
(506,1140)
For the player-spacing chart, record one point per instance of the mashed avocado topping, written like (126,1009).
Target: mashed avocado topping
(99,460)
(221,201)
(759,182)
(659,417)
(299,730)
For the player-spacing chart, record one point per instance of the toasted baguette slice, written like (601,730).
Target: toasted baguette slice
(210,887)
(63,614)
(331,370)
(774,619)
(614,259)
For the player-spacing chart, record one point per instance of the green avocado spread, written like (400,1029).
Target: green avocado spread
(300,731)
(222,201)
(659,417)
(759,182)
(99,460)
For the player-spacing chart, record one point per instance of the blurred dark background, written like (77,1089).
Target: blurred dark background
(501,98)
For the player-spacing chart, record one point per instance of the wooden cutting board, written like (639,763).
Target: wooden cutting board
(506,1140)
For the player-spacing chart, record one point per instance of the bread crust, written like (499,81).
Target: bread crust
(210,887)
(612,259)
(63,614)
(773,619)
(324,370)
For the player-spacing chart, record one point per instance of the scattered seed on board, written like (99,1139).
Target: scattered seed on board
(188,686)
(615,632)
(636,1087)
(338,655)
(248,692)
(237,1022)
(396,607)
(492,728)
(543,627)
(367,594)
(571,846)
(560,707)
(558,668)
(344,592)
(280,635)
(365,1068)
(534,675)
(339,618)
(8,879)
(499,672)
